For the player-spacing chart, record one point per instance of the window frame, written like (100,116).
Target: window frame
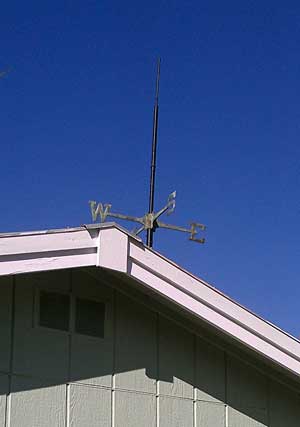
(93,299)
(72,312)
(37,306)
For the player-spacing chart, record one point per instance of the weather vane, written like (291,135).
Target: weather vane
(149,222)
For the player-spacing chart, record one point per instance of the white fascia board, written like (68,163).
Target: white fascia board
(47,262)
(49,250)
(210,305)
(113,250)
(37,242)
(101,245)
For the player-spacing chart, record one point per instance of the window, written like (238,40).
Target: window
(54,310)
(89,317)
(65,313)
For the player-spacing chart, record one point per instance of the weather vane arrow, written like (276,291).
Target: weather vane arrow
(149,222)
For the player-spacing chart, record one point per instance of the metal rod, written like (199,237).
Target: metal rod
(126,217)
(153,157)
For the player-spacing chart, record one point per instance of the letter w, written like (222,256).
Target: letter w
(100,209)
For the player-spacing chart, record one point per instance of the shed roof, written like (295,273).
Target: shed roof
(114,248)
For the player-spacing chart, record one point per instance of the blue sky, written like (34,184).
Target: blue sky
(76,119)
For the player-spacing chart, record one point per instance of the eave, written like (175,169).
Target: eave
(111,247)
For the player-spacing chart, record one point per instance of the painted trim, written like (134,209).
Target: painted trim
(211,297)
(113,250)
(209,315)
(109,246)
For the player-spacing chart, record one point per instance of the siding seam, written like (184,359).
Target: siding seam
(8,410)
(11,358)
(226,389)
(194,382)
(268,402)
(113,376)
(157,369)
(67,419)
(104,387)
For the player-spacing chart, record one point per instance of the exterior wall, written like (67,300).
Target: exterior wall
(147,371)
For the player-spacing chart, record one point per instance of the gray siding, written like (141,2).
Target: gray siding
(4,389)
(33,404)
(176,362)
(91,359)
(136,347)
(147,371)
(134,409)
(89,406)
(5,322)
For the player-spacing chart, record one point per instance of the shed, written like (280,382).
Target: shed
(99,330)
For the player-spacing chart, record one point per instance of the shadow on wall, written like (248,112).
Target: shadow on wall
(139,348)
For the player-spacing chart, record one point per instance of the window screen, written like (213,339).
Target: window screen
(54,310)
(89,319)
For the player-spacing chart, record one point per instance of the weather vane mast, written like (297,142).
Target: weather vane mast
(149,222)
(150,231)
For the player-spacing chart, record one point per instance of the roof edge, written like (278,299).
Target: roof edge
(111,246)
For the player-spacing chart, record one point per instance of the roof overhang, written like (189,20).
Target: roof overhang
(111,247)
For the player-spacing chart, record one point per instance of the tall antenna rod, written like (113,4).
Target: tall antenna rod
(150,231)
(150,221)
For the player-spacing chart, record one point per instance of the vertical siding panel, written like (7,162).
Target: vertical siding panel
(247,394)
(195,381)
(175,412)
(157,370)
(35,347)
(136,366)
(246,386)
(89,406)
(35,405)
(284,407)
(113,379)
(97,351)
(210,368)
(210,414)
(134,409)
(176,357)
(4,389)
(241,418)
(6,285)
